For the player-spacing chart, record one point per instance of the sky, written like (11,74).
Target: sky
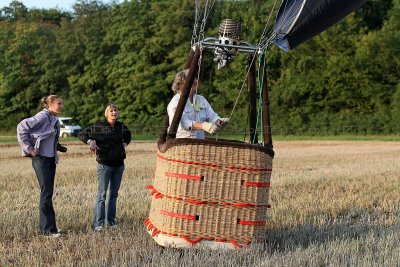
(61,4)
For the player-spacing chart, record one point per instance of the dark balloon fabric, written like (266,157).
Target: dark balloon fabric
(299,20)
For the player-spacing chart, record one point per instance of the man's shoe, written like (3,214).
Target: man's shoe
(98,228)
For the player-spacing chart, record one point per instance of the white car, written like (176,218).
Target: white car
(68,127)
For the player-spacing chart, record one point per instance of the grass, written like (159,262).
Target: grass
(334,203)
(341,137)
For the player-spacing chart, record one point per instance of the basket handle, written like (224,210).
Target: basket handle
(252,83)
(165,135)
(266,113)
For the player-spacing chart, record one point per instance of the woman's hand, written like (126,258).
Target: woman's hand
(209,127)
(33,152)
(222,122)
(93,146)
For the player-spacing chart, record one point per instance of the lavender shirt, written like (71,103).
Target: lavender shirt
(39,133)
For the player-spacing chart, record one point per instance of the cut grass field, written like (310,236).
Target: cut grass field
(334,203)
(342,137)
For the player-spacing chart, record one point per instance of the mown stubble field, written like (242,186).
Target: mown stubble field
(334,203)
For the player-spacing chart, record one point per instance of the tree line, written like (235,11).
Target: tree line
(345,80)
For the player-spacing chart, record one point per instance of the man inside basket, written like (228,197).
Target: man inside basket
(198,115)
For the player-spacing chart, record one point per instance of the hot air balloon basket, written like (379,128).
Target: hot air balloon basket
(212,193)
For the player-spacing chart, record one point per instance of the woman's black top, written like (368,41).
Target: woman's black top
(109,141)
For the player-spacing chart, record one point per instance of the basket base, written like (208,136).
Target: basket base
(177,242)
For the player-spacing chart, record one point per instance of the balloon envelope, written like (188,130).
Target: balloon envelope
(299,20)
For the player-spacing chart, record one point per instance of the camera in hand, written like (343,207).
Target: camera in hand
(61,148)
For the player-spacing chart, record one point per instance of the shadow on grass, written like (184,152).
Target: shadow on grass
(302,236)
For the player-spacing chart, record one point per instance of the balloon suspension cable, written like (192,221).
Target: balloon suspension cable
(261,50)
(198,77)
(196,23)
(241,88)
(264,33)
(260,87)
(275,32)
(207,10)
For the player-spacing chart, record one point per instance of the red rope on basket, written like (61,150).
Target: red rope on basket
(243,204)
(257,223)
(157,231)
(214,165)
(249,169)
(235,243)
(196,202)
(158,194)
(184,176)
(189,162)
(256,184)
(177,215)
(197,240)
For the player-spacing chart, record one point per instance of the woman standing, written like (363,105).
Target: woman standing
(38,138)
(107,139)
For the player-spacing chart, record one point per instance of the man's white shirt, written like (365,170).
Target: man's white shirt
(199,111)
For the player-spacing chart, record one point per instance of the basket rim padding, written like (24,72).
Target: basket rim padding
(163,147)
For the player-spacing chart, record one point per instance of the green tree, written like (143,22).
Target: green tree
(345,79)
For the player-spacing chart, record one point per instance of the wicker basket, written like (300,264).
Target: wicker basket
(206,190)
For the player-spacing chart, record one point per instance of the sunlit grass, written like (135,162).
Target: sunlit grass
(8,138)
(334,203)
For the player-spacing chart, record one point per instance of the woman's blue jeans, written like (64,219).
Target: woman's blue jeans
(45,169)
(109,179)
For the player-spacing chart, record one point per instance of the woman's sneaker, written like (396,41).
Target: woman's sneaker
(54,235)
